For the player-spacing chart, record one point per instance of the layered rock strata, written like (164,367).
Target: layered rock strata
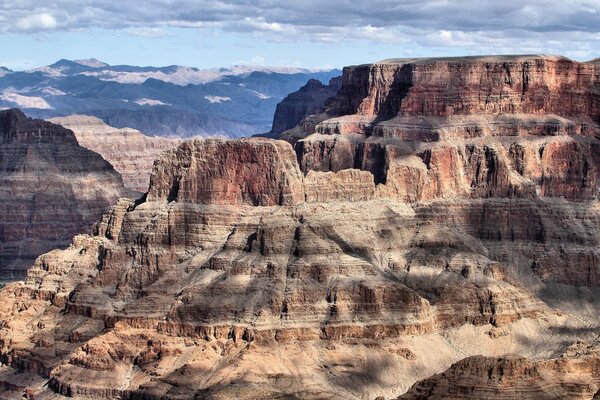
(129,151)
(50,189)
(351,265)
(569,377)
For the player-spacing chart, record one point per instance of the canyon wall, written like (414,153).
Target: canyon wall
(400,248)
(129,151)
(309,99)
(51,189)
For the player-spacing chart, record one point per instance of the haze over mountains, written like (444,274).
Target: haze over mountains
(168,101)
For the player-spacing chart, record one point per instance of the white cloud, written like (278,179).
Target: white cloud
(475,25)
(217,99)
(152,32)
(36,22)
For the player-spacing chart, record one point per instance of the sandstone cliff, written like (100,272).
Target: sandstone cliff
(129,151)
(510,126)
(402,254)
(50,189)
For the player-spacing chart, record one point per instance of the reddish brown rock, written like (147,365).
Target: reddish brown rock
(512,377)
(533,84)
(372,256)
(249,171)
(344,185)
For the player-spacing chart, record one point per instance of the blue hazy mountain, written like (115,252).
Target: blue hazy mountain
(172,100)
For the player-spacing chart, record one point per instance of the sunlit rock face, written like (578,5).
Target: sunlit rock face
(403,248)
(50,189)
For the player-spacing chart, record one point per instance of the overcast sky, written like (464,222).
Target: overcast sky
(309,33)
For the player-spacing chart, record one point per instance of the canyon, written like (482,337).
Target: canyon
(432,231)
(50,190)
(128,150)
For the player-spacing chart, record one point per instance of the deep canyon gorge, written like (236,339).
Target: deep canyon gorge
(429,229)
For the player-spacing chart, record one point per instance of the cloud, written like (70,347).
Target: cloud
(153,32)
(35,22)
(478,25)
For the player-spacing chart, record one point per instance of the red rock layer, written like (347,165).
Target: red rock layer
(249,171)
(471,85)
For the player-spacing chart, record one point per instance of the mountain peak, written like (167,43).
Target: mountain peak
(78,65)
(91,62)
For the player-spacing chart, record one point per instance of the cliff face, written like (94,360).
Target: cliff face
(50,189)
(357,263)
(471,85)
(253,172)
(309,99)
(129,151)
(512,126)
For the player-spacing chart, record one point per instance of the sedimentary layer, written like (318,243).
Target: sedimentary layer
(50,189)
(308,100)
(453,253)
(129,151)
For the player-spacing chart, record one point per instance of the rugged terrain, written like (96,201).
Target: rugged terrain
(129,151)
(433,233)
(167,101)
(50,189)
(308,100)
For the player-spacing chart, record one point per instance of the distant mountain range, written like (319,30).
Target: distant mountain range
(166,101)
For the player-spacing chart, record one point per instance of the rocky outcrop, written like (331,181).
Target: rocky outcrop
(309,99)
(129,151)
(570,377)
(534,84)
(363,261)
(510,126)
(50,189)
(256,172)
(204,275)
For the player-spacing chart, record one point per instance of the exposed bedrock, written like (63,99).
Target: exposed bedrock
(388,253)
(211,277)
(570,377)
(129,151)
(50,189)
(309,99)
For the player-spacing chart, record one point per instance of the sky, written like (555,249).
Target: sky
(303,33)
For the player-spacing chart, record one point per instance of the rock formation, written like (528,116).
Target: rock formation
(50,189)
(568,377)
(450,254)
(309,99)
(129,151)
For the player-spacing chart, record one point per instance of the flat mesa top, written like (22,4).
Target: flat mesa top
(484,58)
